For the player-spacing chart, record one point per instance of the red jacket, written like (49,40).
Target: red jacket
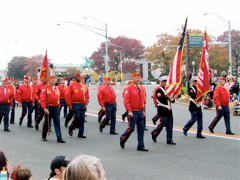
(86,92)
(154,95)
(25,93)
(106,94)
(34,86)
(62,89)
(133,99)
(38,90)
(221,96)
(49,96)
(6,98)
(75,94)
(13,90)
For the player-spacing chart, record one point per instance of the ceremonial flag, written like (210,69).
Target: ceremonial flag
(174,82)
(203,82)
(44,69)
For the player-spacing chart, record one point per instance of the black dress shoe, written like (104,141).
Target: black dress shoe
(142,149)
(70,131)
(123,118)
(30,126)
(184,132)
(154,122)
(171,142)
(230,133)
(85,121)
(6,130)
(82,136)
(36,127)
(66,125)
(200,136)
(211,130)
(122,144)
(145,129)
(44,139)
(114,133)
(60,141)
(100,129)
(99,120)
(154,138)
(12,122)
(20,123)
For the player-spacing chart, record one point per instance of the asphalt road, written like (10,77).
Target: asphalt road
(216,157)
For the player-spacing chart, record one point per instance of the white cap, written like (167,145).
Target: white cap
(194,78)
(163,78)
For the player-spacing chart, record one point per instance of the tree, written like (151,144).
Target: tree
(133,49)
(235,34)
(33,64)
(16,67)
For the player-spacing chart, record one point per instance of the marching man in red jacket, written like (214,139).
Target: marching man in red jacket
(26,100)
(135,103)
(5,103)
(107,100)
(221,99)
(62,88)
(77,100)
(50,101)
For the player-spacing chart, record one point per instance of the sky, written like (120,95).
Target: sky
(29,27)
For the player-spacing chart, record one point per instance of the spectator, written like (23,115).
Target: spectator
(24,174)
(58,165)
(235,98)
(229,77)
(234,88)
(207,103)
(224,74)
(85,167)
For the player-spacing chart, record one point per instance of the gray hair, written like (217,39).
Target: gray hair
(83,167)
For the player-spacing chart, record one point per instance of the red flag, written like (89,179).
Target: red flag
(203,83)
(44,70)
(174,82)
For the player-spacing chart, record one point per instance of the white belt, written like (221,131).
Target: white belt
(163,105)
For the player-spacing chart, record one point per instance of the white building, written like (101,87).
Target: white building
(144,68)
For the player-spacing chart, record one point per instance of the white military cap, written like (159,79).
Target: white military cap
(194,78)
(163,78)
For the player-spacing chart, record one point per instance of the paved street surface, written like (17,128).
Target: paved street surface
(216,157)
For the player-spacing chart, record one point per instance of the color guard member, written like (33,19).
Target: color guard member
(195,110)
(164,112)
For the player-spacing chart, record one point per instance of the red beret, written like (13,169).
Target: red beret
(61,79)
(73,79)
(4,80)
(222,78)
(9,78)
(26,77)
(82,77)
(77,74)
(136,74)
(107,79)
(34,78)
(65,78)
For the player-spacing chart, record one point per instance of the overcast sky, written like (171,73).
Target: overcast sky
(33,24)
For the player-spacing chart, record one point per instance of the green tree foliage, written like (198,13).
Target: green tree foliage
(33,64)
(133,49)
(16,67)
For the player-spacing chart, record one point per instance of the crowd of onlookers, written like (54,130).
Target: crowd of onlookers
(62,168)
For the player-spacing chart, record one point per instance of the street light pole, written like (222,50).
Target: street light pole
(6,52)
(229,39)
(89,28)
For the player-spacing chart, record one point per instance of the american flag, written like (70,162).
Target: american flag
(203,82)
(174,82)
